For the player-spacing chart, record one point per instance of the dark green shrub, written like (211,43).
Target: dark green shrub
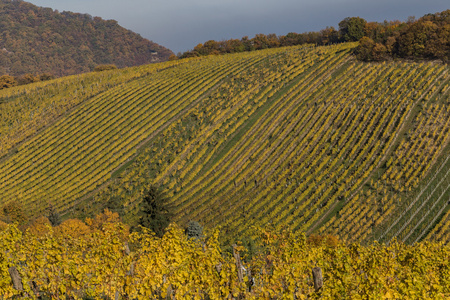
(194,230)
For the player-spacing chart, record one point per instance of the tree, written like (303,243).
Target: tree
(368,50)
(391,44)
(379,52)
(365,48)
(260,41)
(155,212)
(416,40)
(14,212)
(7,81)
(46,76)
(115,203)
(53,215)
(440,46)
(107,221)
(40,226)
(273,40)
(329,36)
(72,227)
(373,30)
(352,29)
(233,45)
(211,47)
(27,79)
(247,43)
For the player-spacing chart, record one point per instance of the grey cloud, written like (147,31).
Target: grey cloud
(180,25)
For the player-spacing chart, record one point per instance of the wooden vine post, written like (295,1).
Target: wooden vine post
(318,278)
(239,266)
(16,280)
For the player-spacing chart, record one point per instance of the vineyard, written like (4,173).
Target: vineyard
(303,137)
(100,259)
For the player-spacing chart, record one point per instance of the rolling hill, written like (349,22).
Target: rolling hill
(304,136)
(42,40)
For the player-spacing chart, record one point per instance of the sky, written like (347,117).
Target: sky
(182,24)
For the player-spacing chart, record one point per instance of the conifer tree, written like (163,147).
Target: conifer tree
(155,212)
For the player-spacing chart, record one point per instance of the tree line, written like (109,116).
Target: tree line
(425,38)
(7,81)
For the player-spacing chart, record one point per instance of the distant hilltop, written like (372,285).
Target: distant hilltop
(42,40)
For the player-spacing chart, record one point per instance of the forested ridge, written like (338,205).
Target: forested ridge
(40,40)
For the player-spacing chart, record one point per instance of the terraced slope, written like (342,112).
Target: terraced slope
(406,196)
(441,232)
(304,137)
(311,148)
(27,109)
(79,151)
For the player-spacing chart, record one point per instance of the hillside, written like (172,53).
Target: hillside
(40,40)
(304,136)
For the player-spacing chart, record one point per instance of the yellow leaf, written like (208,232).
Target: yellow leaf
(388,295)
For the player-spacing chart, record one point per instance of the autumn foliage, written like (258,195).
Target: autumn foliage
(14,212)
(101,68)
(39,40)
(7,81)
(75,227)
(426,38)
(326,240)
(103,263)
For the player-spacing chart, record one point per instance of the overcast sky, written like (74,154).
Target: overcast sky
(181,24)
